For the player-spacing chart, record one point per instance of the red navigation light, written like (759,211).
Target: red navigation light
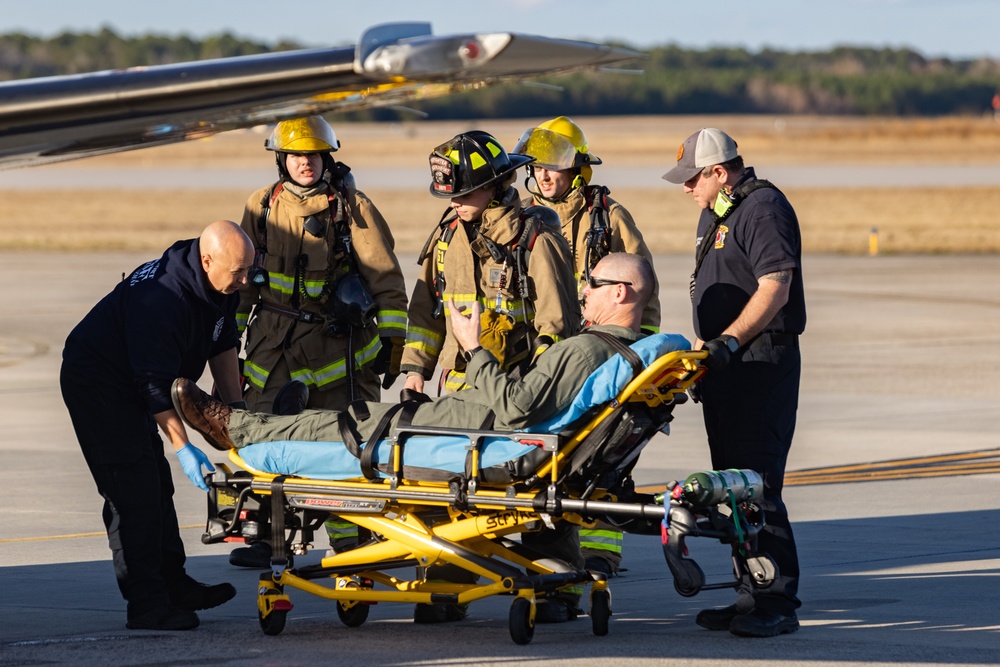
(470,50)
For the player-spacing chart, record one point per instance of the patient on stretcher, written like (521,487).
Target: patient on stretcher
(567,381)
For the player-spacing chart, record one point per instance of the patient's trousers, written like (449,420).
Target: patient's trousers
(246,428)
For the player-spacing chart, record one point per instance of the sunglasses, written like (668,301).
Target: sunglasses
(594,283)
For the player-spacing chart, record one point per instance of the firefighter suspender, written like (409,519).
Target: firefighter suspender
(599,234)
(446,230)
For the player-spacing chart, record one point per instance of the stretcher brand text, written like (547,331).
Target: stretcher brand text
(507,518)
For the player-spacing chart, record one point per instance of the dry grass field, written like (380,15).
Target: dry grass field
(910,219)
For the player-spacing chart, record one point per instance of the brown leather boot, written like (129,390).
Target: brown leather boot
(202,413)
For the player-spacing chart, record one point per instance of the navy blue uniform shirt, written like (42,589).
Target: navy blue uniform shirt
(759,237)
(162,322)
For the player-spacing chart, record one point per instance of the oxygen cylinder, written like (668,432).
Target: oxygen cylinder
(713,486)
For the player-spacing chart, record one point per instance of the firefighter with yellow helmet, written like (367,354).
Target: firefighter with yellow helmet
(325,302)
(486,248)
(594,224)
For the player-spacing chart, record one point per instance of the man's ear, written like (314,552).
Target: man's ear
(721,173)
(206,262)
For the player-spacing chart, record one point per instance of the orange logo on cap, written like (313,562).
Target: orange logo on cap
(680,152)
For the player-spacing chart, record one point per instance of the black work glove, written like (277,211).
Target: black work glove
(388,359)
(694,391)
(720,351)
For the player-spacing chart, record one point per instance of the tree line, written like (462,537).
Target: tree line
(668,80)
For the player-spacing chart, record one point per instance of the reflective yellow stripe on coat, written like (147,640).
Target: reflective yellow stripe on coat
(320,377)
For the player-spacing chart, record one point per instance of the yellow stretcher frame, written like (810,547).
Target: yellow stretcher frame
(402,513)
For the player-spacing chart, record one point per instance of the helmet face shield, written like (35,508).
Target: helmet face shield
(551,150)
(311,134)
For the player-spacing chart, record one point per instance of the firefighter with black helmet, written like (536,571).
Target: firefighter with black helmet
(595,225)
(516,265)
(486,248)
(325,303)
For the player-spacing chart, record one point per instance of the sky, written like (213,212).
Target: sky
(958,29)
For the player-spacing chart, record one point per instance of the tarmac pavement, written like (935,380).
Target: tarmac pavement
(900,359)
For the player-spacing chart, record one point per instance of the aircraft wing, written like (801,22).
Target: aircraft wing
(67,117)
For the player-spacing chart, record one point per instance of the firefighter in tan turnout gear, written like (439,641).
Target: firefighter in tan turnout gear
(516,265)
(486,248)
(595,225)
(325,302)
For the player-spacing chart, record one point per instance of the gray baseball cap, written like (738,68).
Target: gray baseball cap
(704,148)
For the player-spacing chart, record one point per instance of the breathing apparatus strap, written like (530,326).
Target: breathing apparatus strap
(266,203)
(599,234)
(442,238)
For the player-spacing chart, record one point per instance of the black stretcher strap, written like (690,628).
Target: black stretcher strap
(476,445)
(408,409)
(630,355)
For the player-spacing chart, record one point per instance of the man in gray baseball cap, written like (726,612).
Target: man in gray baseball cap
(748,306)
(704,148)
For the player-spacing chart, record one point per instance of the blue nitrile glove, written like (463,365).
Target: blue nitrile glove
(192,459)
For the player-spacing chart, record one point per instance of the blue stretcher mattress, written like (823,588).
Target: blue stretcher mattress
(332,460)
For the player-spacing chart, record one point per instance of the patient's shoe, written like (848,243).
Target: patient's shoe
(256,556)
(187,594)
(555,610)
(291,399)
(440,613)
(203,413)
(163,618)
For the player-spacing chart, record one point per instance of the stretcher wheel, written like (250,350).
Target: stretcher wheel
(354,616)
(600,612)
(522,627)
(273,623)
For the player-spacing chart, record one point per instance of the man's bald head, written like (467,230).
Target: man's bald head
(630,268)
(226,255)
(621,287)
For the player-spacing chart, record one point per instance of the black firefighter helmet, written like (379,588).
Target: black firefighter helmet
(470,161)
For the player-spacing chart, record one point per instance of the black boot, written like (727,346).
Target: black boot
(163,618)
(291,399)
(187,594)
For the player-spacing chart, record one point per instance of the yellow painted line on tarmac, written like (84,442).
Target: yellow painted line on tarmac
(944,465)
(896,463)
(73,536)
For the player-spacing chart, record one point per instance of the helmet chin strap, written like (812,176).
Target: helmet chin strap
(279,159)
(554,200)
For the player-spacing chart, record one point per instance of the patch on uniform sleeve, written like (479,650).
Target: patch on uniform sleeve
(720,237)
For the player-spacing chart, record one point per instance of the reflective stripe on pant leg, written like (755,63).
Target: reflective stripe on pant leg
(601,540)
(343,534)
